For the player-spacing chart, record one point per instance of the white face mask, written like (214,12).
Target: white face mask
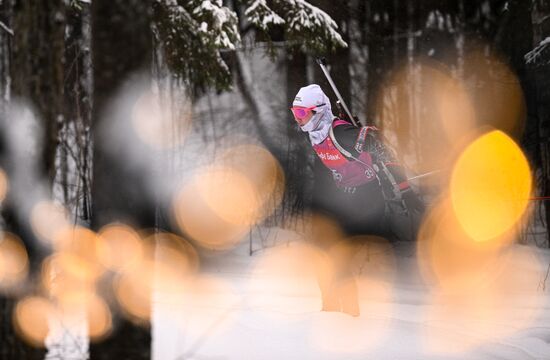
(312,123)
(319,126)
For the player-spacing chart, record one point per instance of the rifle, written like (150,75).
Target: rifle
(343,109)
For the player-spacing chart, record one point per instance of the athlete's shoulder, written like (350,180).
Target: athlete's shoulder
(337,122)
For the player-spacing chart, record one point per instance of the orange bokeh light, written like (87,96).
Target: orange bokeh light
(221,202)
(77,251)
(134,291)
(14,262)
(426,99)
(58,278)
(477,285)
(156,124)
(175,261)
(198,220)
(47,219)
(449,257)
(95,308)
(490,186)
(119,247)
(4,185)
(30,319)
(230,194)
(168,262)
(496,93)
(262,170)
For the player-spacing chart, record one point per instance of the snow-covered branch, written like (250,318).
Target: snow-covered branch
(304,23)
(193,33)
(263,17)
(215,24)
(218,24)
(315,28)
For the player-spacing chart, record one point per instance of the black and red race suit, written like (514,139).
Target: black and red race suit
(346,172)
(358,201)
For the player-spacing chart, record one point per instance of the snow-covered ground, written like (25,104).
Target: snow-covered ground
(267,306)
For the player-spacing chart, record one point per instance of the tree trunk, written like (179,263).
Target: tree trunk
(121,46)
(540,73)
(37,66)
(297,168)
(31,57)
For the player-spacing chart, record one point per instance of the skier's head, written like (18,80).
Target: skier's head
(309,107)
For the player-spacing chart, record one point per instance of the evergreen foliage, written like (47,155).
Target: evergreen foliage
(195,34)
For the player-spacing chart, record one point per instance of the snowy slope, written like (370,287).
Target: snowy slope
(266,306)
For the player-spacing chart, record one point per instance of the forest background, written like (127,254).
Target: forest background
(228,70)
